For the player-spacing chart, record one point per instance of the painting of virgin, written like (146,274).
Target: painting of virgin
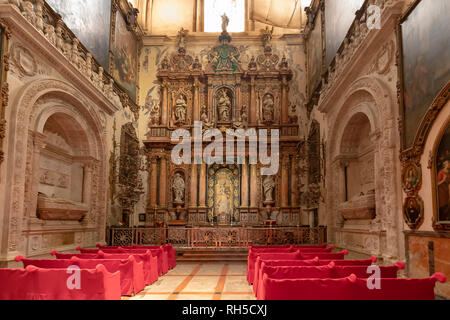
(125,57)
(426,67)
(442,179)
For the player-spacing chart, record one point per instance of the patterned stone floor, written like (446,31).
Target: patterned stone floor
(200,281)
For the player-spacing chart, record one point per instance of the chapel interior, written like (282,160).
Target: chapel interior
(347,102)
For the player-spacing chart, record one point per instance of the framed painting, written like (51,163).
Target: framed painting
(441,182)
(90,21)
(412,177)
(425,67)
(413,212)
(142,217)
(125,51)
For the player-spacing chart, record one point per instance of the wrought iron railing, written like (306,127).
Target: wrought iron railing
(217,236)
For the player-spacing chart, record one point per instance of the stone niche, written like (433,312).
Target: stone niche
(62,165)
(357,161)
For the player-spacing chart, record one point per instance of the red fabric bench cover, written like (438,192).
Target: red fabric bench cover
(131,272)
(308,250)
(274,256)
(321,272)
(34,283)
(150,262)
(290,249)
(169,248)
(349,288)
(258,263)
(270,246)
(163,259)
(271,250)
(324,245)
(323,255)
(312,262)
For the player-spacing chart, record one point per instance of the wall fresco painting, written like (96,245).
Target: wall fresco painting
(339,16)
(90,21)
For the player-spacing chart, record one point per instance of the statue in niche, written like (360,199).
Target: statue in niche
(180,109)
(223,105)
(178,188)
(244,116)
(267,107)
(269,186)
(204,118)
(225,22)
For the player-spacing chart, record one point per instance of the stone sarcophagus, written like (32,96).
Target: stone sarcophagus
(60,209)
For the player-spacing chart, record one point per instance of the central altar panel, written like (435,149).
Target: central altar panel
(223,95)
(223,194)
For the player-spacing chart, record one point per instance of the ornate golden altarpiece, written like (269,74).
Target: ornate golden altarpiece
(222,94)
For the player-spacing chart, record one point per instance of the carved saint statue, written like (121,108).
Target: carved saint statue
(223,105)
(225,22)
(178,187)
(180,109)
(268,185)
(267,35)
(267,107)
(182,38)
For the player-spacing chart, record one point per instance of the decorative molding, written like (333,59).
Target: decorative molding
(4,87)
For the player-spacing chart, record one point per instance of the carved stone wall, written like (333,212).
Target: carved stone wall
(364,91)
(55,142)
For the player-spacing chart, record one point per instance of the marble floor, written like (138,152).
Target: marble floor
(200,281)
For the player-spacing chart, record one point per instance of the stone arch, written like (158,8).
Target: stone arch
(367,95)
(369,104)
(26,120)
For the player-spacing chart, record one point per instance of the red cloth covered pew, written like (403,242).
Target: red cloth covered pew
(131,272)
(291,249)
(324,245)
(349,288)
(323,255)
(168,248)
(163,259)
(269,246)
(269,256)
(34,283)
(313,262)
(150,262)
(330,271)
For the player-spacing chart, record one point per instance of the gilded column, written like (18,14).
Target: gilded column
(253,186)
(244,184)
(202,187)
(164,103)
(284,182)
(284,101)
(153,182)
(196,107)
(194,187)
(252,113)
(163,182)
(294,188)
